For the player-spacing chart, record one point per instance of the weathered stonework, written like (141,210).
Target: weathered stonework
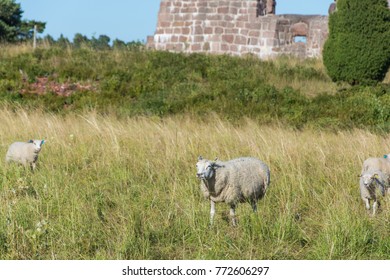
(236,27)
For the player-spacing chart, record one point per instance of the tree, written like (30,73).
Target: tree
(63,41)
(12,27)
(27,27)
(101,43)
(118,44)
(358,47)
(10,20)
(80,41)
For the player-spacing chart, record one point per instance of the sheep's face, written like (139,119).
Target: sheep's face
(368,179)
(38,144)
(205,169)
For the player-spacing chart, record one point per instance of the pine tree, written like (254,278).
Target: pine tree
(358,48)
(12,27)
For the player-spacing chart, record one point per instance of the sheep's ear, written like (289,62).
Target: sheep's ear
(30,141)
(360,175)
(42,142)
(215,165)
(200,157)
(385,156)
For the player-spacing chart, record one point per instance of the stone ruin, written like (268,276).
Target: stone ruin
(237,27)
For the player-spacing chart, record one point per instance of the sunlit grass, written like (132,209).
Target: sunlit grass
(126,189)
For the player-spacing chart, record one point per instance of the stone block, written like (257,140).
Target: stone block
(225,47)
(214,17)
(232,30)
(223,10)
(241,24)
(206,10)
(174,39)
(215,47)
(233,48)
(240,40)
(196,47)
(228,38)
(178,23)
(200,16)
(253,41)
(208,30)
(165,24)
(244,32)
(218,30)
(254,33)
(185,30)
(198,38)
(233,11)
(183,39)
(242,18)
(228,17)
(189,10)
(197,30)
(237,4)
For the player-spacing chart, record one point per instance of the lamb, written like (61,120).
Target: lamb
(375,174)
(239,180)
(25,153)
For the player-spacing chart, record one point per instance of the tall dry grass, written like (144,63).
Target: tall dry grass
(126,189)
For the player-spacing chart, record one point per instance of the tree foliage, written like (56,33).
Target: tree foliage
(358,48)
(12,27)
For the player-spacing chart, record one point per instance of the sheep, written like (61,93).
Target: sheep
(375,174)
(235,181)
(25,153)
(382,164)
(369,182)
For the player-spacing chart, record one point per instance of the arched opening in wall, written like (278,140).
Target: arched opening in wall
(300,39)
(299,32)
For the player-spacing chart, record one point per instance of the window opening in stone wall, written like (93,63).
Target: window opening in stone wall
(260,9)
(265,7)
(300,39)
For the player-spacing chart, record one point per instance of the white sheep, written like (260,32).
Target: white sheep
(232,182)
(25,153)
(375,174)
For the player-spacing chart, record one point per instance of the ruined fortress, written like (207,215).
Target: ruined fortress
(237,27)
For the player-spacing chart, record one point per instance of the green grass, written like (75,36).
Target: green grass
(146,83)
(126,189)
(116,177)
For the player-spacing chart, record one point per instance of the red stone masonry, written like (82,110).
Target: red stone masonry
(233,27)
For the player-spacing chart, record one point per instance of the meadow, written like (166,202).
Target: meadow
(116,176)
(126,189)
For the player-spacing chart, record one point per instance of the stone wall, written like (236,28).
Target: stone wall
(234,27)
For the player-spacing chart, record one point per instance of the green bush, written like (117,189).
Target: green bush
(133,83)
(358,48)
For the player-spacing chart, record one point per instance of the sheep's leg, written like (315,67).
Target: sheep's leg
(212,211)
(375,206)
(367,203)
(254,206)
(33,165)
(233,214)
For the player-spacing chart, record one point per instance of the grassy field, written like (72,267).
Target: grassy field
(109,188)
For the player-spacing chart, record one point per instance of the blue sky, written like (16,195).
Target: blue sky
(127,20)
